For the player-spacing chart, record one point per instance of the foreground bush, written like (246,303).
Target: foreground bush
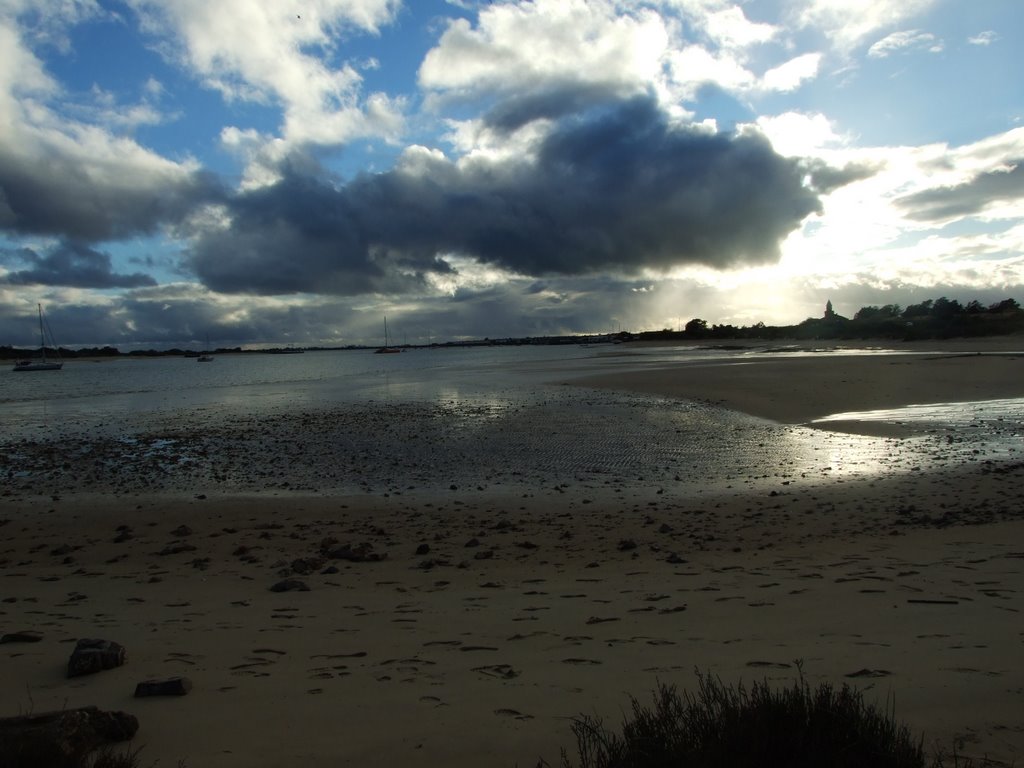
(733,727)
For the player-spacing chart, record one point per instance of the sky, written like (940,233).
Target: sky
(292,172)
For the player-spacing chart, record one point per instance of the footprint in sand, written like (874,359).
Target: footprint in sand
(512,713)
(769,665)
(869,673)
(500,671)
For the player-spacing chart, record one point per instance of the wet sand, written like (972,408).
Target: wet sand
(516,595)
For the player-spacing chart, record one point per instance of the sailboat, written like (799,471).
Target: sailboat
(43,364)
(206,357)
(386,349)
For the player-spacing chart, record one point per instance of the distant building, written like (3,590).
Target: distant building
(829,313)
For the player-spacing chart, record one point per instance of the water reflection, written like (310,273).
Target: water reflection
(486,416)
(1009,410)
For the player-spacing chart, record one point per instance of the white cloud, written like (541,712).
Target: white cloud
(695,66)
(279,52)
(798,135)
(899,42)
(731,28)
(848,22)
(791,75)
(46,22)
(867,234)
(31,125)
(533,44)
(983,38)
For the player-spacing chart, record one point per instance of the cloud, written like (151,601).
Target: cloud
(65,177)
(288,53)
(983,38)
(71,264)
(792,74)
(730,28)
(846,23)
(1001,185)
(93,187)
(622,190)
(902,42)
(546,47)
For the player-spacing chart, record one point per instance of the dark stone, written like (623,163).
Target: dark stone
(626,544)
(290,585)
(675,559)
(423,549)
(63,737)
(182,530)
(360,553)
(176,549)
(474,542)
(173,686)
(307,565)
(92,656)
(484,554)
(24,636)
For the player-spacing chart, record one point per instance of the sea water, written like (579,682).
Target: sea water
(439,416)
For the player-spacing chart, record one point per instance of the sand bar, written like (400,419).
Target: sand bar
(797,390)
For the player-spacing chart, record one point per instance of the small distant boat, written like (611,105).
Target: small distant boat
(386,349)
(42,364)
(206,357)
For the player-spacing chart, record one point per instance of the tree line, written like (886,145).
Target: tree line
(941,318)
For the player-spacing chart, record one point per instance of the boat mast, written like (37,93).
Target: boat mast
(42,338)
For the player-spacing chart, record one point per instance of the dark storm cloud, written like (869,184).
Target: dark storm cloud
(824,178)
(968,198)
(72,264)
(60,196)
(620,191)
(551,102)
(303,235)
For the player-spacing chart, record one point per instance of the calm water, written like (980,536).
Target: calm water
(104,395)
(108,395)
(353,419)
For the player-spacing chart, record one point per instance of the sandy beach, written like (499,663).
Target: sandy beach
(472,579)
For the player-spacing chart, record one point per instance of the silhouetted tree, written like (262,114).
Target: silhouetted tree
(945,308)
(1006,305)
(918,310)
(696,327)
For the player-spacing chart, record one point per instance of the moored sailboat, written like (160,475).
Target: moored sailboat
(386,349)
(42,364)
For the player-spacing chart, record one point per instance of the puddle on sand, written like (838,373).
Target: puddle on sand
(1002,420)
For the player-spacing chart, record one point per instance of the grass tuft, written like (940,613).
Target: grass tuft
(761,726)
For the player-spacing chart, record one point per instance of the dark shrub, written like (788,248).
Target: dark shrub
(759,727)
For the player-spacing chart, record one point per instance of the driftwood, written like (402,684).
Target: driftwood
(60,738)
